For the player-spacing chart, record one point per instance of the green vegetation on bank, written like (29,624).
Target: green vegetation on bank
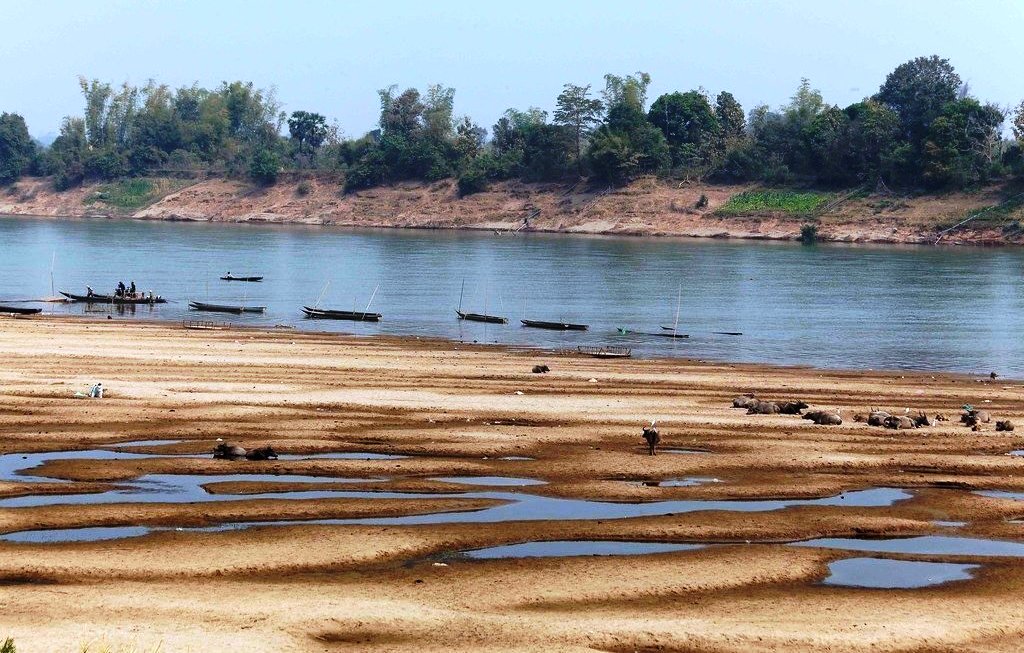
(793,203)
(132,194)
(921,130)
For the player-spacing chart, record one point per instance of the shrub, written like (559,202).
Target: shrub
(7,646)
(791,202)
(473,180)
(702,202)
(264,167)
(304,188)
(809,233)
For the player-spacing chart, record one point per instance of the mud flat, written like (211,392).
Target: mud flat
(402,460)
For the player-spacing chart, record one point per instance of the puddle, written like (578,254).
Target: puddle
(1001,494)
(682,482)
(894,574)
(143,443)
(923,545)
(563,548)
(77,534)
(1017,452)
(345,455)
(949,524)
(496,481)
(516,458)
(519,506)
(684,451)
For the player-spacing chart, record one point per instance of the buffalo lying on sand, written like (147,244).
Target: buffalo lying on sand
(824,417)
(744,401)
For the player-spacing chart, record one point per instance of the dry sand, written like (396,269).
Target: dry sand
(457,410)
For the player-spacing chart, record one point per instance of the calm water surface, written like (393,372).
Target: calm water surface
(954,309)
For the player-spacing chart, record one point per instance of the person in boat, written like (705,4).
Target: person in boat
(131,290)
(120,289)
(88,291)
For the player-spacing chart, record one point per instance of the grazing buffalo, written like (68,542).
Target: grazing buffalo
(652,437)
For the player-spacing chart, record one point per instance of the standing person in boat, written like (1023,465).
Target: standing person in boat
(120,289)
(131,291)
(88,291)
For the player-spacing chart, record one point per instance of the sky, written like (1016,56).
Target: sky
(331,57)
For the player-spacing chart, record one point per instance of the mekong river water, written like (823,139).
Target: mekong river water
(836,306)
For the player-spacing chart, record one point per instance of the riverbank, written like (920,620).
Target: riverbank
(459,410)
(647,207)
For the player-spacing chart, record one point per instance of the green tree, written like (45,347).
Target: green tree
(628,89)
(730,116)
(1018,122)
(400,114)
(65,158)
(264,167)
(308,131)
(579,112)
(917,91)
(690,126)
(961,144)
(17,150)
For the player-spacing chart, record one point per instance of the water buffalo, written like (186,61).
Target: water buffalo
(228,451)
(652,437)
(541,369)
(899,422)
(877,418)
(261,453)
(792,407)
(824,417)
(1004,425)
(973,417)
(922,420)
(744,401)
(762,408)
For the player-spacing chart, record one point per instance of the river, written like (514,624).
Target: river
(836,306)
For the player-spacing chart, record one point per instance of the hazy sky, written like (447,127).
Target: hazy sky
(331,57)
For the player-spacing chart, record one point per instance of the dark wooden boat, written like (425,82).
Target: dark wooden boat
(20,310)
(482,317)
(555,326)
(226,308)
(231,277)
(670,334)
(327,314)
(111,299)
(606,352)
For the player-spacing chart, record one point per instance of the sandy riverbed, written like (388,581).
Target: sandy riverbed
(455,411)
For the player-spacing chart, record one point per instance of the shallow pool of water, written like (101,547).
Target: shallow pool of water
(923,545)
(894,574)
(496,481)
(564,548)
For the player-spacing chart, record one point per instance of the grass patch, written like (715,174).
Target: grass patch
(774,201)
(132,194)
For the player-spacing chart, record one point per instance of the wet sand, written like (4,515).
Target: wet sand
(454,411)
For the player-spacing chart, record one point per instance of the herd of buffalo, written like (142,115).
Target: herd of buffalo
(970,416)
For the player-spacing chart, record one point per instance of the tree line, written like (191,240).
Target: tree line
(922,129)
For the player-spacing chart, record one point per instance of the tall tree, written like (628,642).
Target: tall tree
(308,130)
(690,126)
(578,111)
(730,115)
(917,91)
(17,150)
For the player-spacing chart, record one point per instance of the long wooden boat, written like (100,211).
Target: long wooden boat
(327,314)
(605,352)
(231,277)
(555,326)
(111,299)
(669,334)
(20,310)
(482,317)
(226,308)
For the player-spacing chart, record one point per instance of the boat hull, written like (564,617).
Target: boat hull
(18,310)
(228,277)
(222,308)
(327,314)
(110,299)
(481,317)
(554,326)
